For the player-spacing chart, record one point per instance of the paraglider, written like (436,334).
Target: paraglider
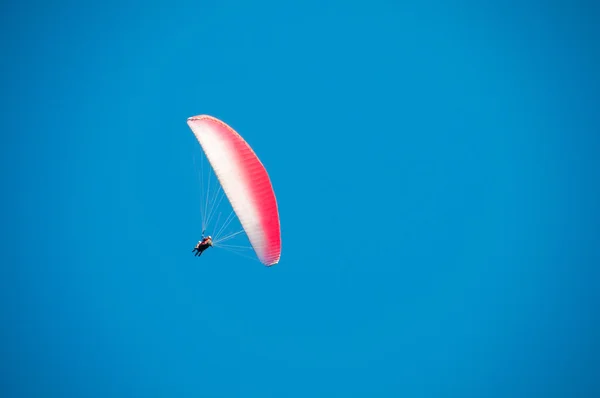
(246,184)
(202,245)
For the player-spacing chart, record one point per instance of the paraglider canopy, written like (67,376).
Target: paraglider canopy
(245,182)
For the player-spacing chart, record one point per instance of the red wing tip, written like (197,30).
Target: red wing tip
(272,263)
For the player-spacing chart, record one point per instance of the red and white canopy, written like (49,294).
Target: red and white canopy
(245,182)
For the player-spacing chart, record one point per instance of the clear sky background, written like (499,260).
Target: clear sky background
(435,165)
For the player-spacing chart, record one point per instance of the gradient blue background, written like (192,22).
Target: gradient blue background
(442,157)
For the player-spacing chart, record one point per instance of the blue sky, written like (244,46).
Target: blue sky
(436,170)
